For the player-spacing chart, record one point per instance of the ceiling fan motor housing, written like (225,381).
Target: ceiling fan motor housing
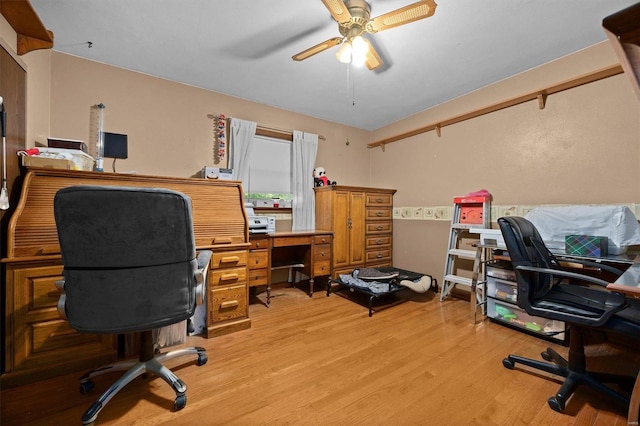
(360,12)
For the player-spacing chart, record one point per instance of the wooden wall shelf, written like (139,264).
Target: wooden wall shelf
(26,23)
(539,95)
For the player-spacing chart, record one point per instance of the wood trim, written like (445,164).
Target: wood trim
(31,33)
(539,95)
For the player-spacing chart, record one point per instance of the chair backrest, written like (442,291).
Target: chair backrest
(526,248)
(128,257)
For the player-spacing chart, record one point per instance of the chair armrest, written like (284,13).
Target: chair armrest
(203,259)
(62,300)
(565,274)
(597,265)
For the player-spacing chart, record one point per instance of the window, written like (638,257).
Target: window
(270,166)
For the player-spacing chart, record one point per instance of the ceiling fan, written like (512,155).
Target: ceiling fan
(353,17)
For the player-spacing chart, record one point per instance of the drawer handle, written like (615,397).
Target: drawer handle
(379,228)
(322,254)
(257,261)
(230,259)
(378,200)
(49,250)
(228,277)
(220,240)
(379,242)
(258,245)
(229,304)
(379,255)
(379,213)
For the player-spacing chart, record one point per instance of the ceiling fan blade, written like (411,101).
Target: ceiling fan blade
(338,10)
(373,60)
(317,49)
(404,15)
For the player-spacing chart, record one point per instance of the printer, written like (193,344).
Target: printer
(258,224)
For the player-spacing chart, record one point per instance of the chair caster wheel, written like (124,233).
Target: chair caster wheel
(545,355)
(556,404)
(85,387)
(202,359)
(180,402)
(508,363)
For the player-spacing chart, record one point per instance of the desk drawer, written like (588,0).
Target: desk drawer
(377,242)
(261,243)
(322,239)
(322,252)
(258,277)
(228,303)
(292,241)
(258,259)
(382,227)
(379,200)
(377,255)
(228,259)
(321,268)
(218,277)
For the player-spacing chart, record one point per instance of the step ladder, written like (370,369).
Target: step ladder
(467,213)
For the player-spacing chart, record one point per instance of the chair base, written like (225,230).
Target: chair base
(575,375)
(135,368)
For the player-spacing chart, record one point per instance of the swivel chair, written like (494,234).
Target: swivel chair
(129,266)
(547,290)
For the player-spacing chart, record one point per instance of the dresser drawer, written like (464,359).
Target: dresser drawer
(382,227)
(258,277)
(228,303)
(322,239)
(228,259)
(378,255)
(258,259)
(378,213)
(231,276)
(321,268)
(379,200)
(379,241)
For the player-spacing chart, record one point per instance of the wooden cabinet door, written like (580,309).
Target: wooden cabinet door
(357,214)
(341,256)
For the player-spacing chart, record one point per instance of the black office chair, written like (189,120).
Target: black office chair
(547,290)
(129,266)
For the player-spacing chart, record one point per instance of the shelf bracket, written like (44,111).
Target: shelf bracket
(438,130)
(542,100)
(381,146)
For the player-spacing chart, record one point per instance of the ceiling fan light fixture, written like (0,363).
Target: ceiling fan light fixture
(359,51)
(344,53)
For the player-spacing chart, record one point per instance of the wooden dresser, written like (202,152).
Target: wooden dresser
(38,344)
(361,220)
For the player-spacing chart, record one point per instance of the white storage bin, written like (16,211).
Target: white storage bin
(490,236)
(513,315)
(501,289)
(504,274)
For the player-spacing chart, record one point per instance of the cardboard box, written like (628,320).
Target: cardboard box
(586,245)
(52,163)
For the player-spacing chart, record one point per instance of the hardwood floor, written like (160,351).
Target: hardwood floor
(323,361)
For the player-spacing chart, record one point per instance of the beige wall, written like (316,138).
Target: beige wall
(169,132)
(584,147)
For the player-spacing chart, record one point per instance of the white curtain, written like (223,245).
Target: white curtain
(241,135)
(303,158)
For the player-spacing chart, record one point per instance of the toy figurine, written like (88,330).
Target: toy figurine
(320,177)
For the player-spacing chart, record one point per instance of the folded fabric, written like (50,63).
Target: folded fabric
(373,274)
(421,285)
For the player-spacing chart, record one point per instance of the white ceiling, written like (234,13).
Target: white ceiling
(243,48)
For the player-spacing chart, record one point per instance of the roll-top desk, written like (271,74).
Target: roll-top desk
(38,343)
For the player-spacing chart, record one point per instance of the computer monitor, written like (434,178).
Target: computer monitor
(115,145)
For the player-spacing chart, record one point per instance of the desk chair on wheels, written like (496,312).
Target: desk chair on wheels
(546,290)
(129,266)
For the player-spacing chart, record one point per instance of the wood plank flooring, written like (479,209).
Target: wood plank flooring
(323,361)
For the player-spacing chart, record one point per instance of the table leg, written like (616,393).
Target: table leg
(311,287)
